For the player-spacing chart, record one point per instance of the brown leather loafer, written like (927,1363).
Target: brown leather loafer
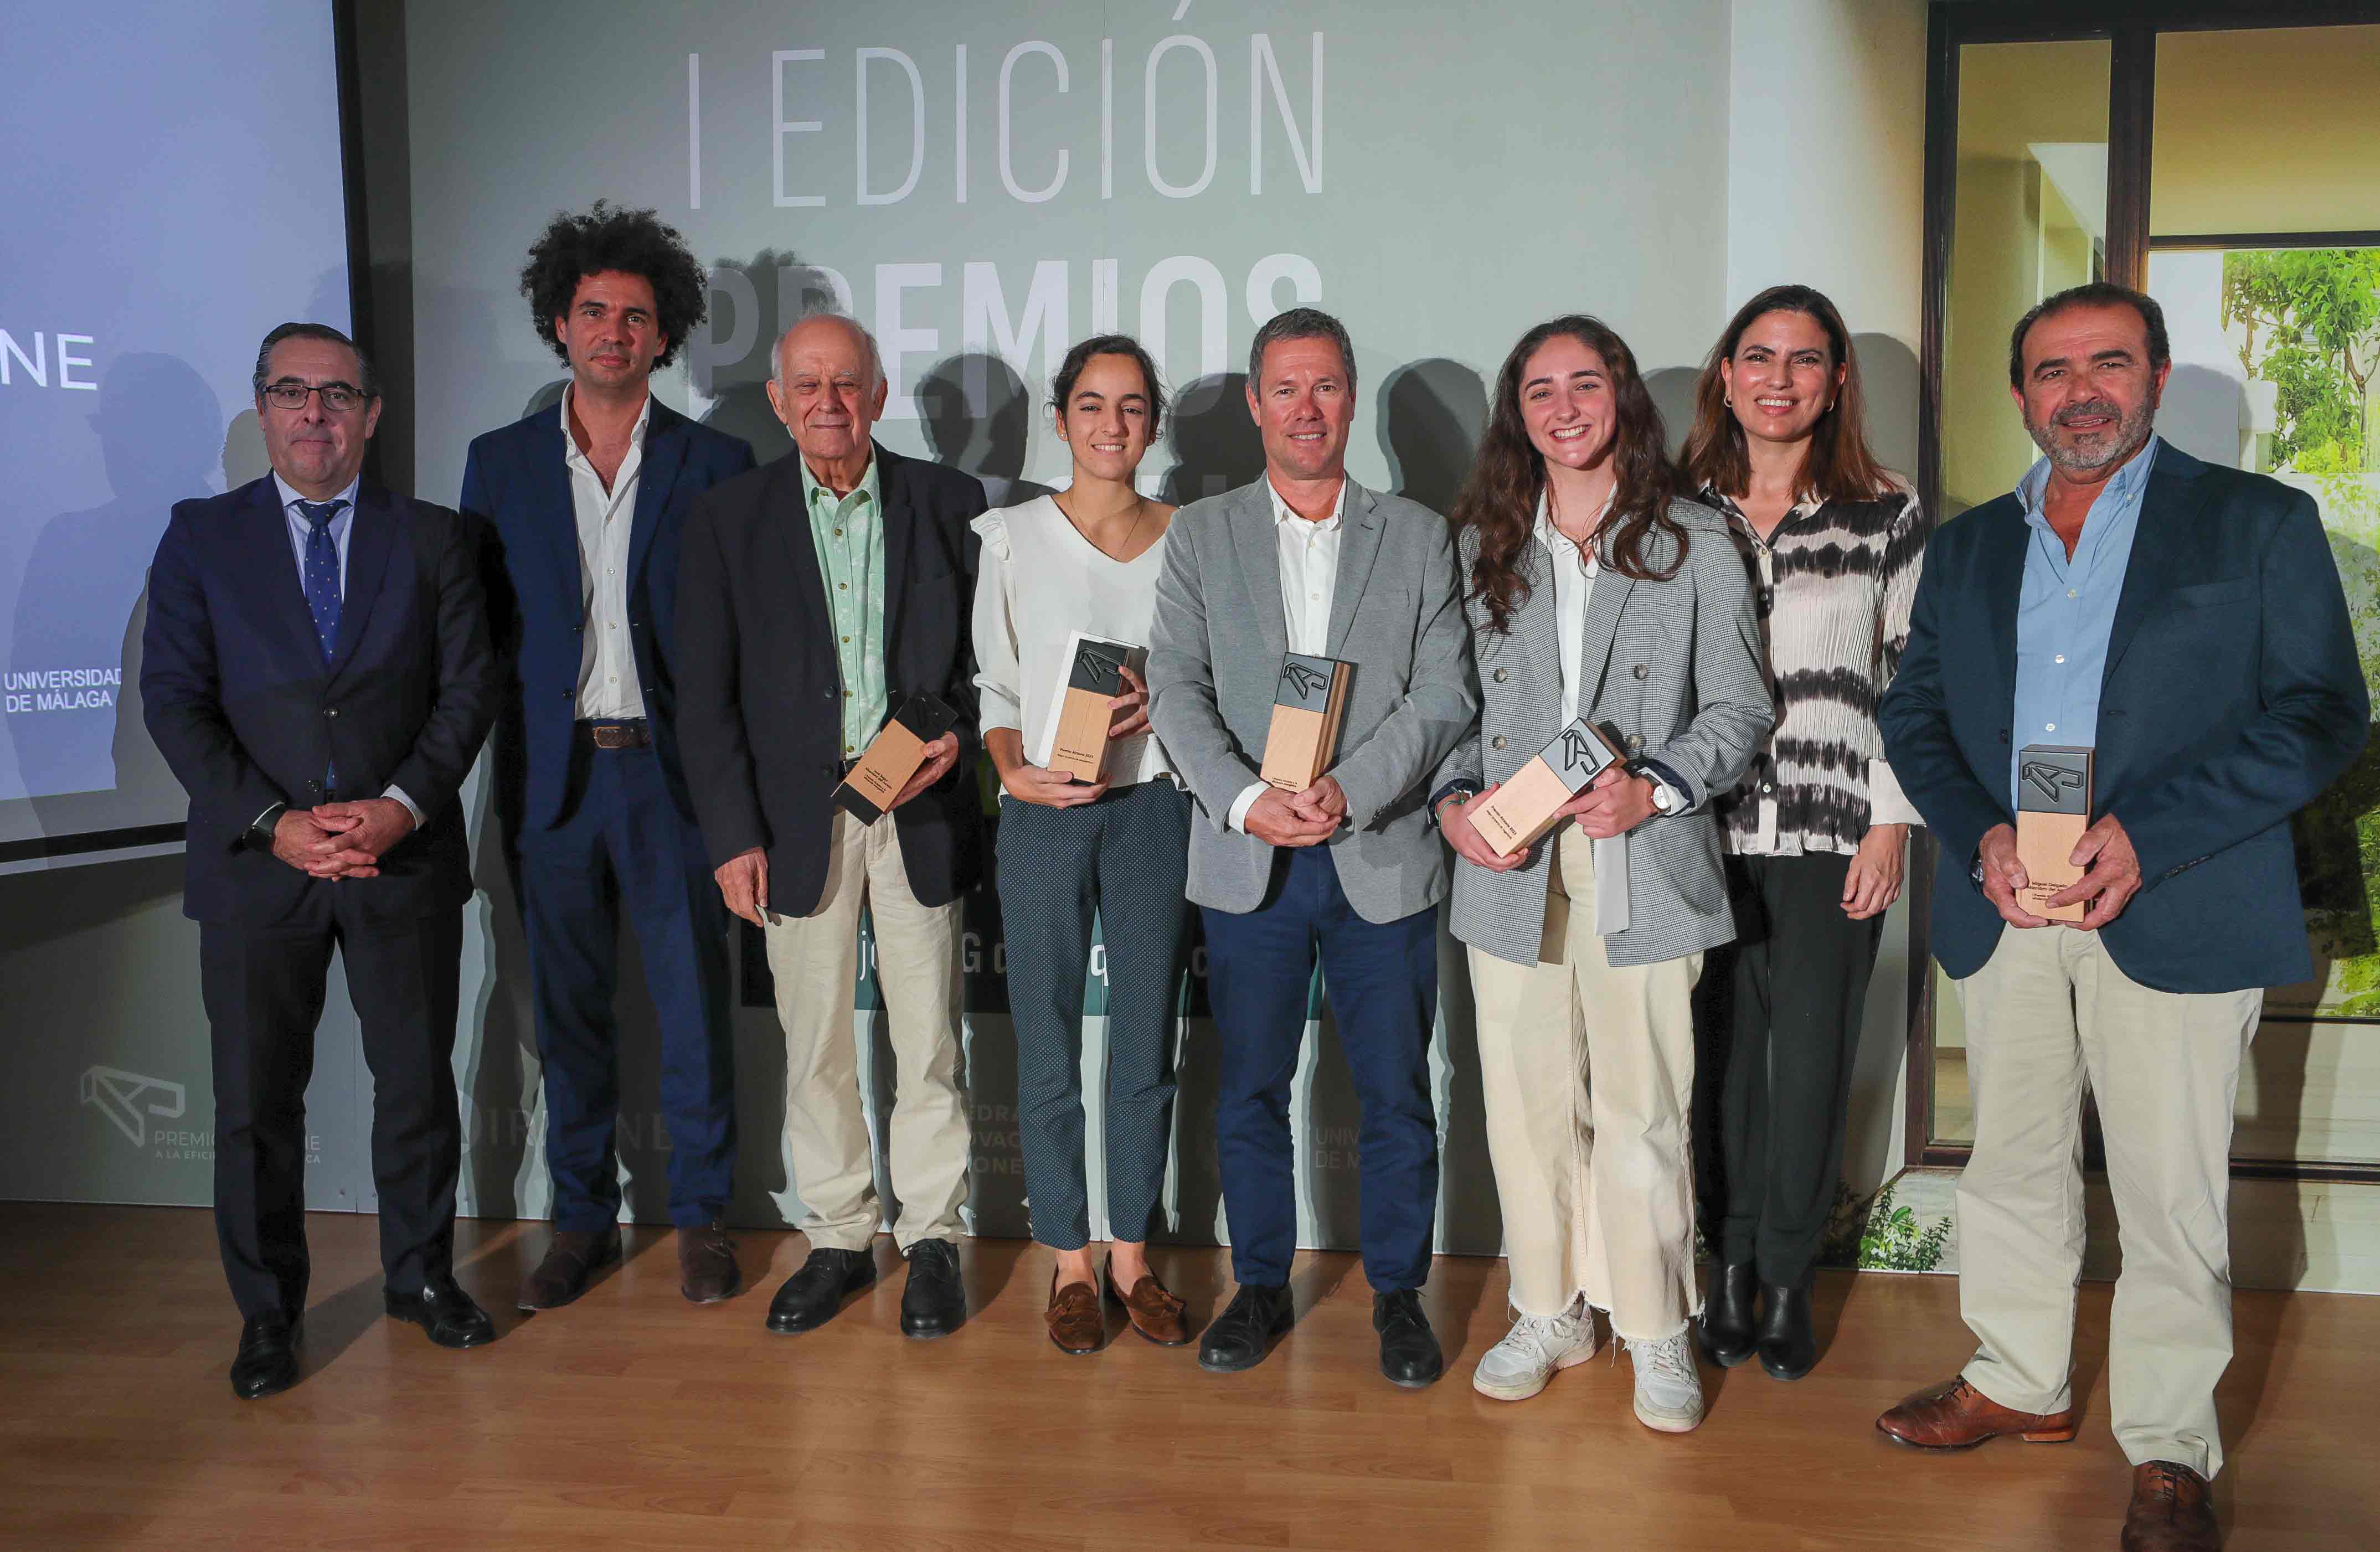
(706,1264)
(1958,1416)
(2170,1511)
(1156,1313)
(570,1265)
(1077,1325)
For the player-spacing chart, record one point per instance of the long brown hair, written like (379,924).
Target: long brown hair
(1838,464)
(1499,498)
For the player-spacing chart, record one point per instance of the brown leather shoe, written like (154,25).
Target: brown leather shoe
(1958,1416)
(2170,1511)
(705,1265)
(1077,1325)
(1156,1313)
(570,1265)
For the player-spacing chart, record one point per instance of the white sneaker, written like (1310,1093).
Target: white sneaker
(1519,1367)
(1669,1392)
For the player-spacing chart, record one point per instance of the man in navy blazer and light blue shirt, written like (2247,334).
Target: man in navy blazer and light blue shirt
(583,504)
(315,670)
(2186,621)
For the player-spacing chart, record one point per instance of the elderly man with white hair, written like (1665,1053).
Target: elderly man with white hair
(817,594)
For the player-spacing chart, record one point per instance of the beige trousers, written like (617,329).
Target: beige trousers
(816,962)
(2048,1014)
(1588,1073)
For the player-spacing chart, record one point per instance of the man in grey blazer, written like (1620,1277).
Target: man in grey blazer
(1306,561)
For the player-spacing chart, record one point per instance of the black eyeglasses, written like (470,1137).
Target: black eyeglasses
(337,397)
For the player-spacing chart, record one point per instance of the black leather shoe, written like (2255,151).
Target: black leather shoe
(814,1295)
(1259,1314)
(1728,1330)
(934,1301)
(267,1362)
(1409,1353)
(1788,1348)
(444,1310)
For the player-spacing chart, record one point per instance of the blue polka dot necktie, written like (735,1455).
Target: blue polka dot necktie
(322,572)
(322,589)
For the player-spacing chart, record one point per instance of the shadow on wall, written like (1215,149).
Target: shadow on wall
(1888,376)
(1215,441)
(160,430)
(979,418)
(752,304)
(1432,414)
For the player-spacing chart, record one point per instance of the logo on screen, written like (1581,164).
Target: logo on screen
(2056,783)
(128,1100)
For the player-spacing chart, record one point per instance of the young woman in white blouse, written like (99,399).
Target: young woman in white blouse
(1086,560)
(1816,831)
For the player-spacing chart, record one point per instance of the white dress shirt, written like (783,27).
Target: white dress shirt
(609,690)
(1574,573)
(1309,579)
(342,525)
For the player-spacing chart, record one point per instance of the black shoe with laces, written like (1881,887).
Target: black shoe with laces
(934,1301)
(1409,1350)
(814,1295)
(1259,1314)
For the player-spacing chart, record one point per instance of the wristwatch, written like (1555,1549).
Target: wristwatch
(1663,798)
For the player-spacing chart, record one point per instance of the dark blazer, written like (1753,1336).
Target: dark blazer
(760,692)
(2233,696)
(239,701)
(516,482)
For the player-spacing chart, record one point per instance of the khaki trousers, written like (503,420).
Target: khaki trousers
(1588,1072)
(816,962)
(2047,1015)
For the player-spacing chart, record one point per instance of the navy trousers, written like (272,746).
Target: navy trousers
(1381,978)
(263,990)
(1125,858)
(622,842)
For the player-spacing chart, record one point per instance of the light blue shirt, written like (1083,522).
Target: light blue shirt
(341,526)
(300,529)
(2067,609)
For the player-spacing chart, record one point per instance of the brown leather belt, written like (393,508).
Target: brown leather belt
(616,735)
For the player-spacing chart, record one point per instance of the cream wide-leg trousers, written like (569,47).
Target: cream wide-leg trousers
(2049,1014)
(1588,1072)
(816,962)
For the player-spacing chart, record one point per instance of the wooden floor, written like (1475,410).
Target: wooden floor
(634,1420)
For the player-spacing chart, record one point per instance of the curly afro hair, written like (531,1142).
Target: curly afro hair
(633,242)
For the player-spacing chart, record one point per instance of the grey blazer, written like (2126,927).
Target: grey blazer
(1214,661)
(1674,667)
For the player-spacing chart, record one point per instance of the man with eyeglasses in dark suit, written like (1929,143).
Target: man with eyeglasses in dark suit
(315,669)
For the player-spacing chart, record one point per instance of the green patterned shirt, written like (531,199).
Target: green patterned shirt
(849,533)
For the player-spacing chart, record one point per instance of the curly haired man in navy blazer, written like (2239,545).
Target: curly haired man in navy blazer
(583,504)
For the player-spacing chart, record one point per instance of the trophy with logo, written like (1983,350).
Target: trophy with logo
(1522,810)
(2053,810)
(1308,704)
(1091,674)
(894,756)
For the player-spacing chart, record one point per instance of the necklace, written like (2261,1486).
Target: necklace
(1139,511)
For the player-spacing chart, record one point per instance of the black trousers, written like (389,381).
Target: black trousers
(263,990)
(1778,1020)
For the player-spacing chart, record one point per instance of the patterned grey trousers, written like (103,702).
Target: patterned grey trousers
(1127,859)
